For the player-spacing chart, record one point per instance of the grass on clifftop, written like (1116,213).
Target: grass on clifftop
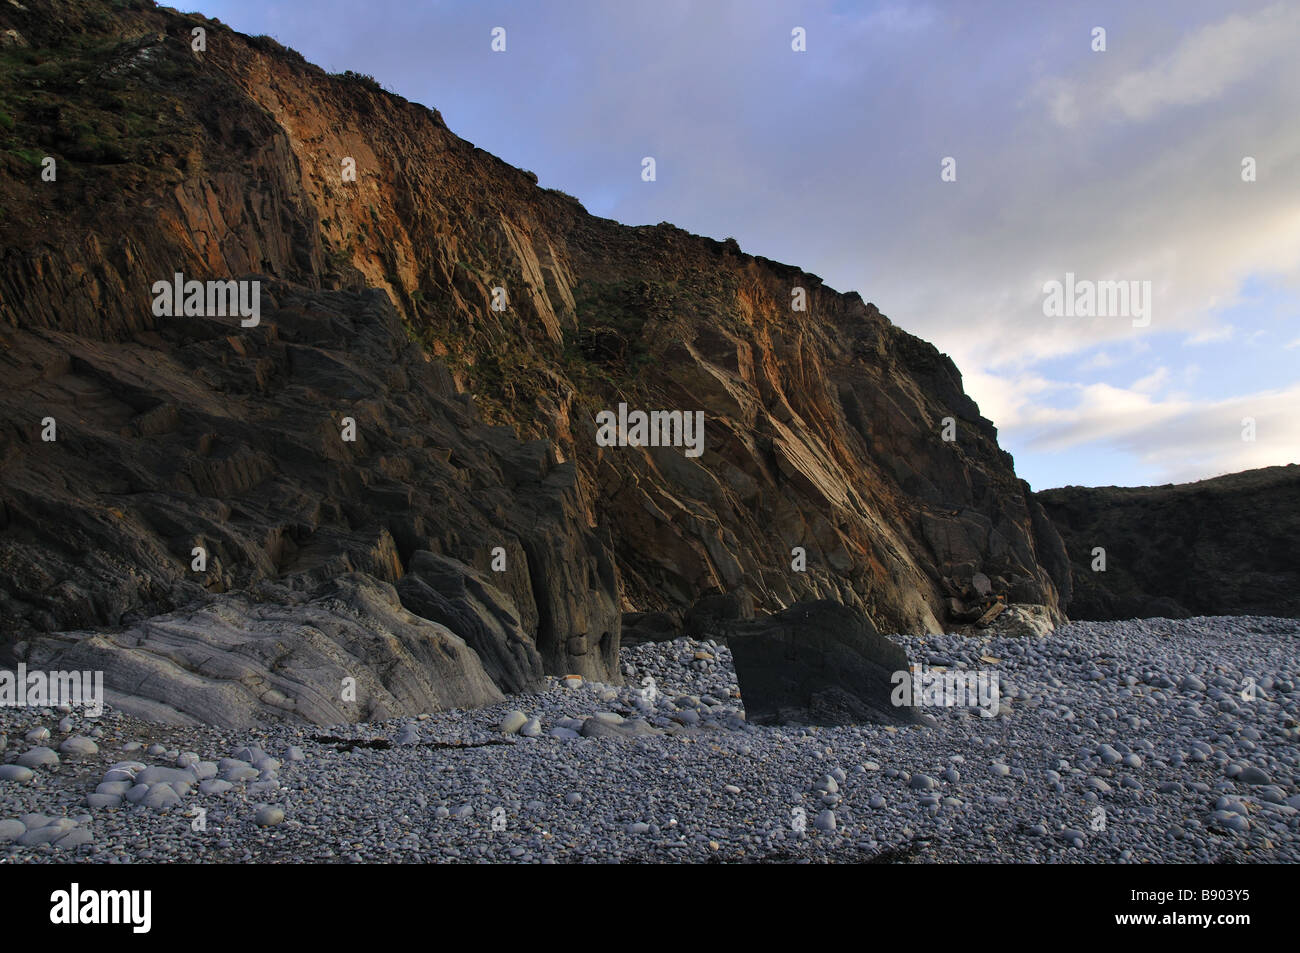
(92,98)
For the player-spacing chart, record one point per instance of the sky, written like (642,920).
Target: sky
(1168,161)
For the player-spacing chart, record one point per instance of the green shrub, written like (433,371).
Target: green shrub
(29,156)
(269,44)
(364,79)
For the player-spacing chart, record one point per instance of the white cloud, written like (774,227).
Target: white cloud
(1207,63)
(1011,400)
(1204,67)
(1223,332)
(1152,382)
(1062,101)
(1179,439)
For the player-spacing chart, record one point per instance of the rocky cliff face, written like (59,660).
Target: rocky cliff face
(1225,546)
(475,428)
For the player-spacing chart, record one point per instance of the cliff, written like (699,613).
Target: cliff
(475,427)
(1225,546)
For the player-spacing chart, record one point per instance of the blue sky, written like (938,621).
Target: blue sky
(1123,164)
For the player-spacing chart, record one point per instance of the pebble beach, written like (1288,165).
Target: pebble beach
(1122,742)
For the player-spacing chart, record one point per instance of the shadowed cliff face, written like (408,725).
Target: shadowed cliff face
(1225,546)
(823,427)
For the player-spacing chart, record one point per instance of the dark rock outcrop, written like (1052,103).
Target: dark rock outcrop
(717,612)
(205,435)
(639,627)
(1225,546)
(818,663)
(446,591)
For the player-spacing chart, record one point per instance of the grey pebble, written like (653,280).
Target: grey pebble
(11,830)
(38,757)
(80,746)
(77,837)
(532,728)
(269,815)
(1253,775)
(16,772)
(512,722)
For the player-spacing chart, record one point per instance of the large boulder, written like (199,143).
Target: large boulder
(817,663)
(243,660)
